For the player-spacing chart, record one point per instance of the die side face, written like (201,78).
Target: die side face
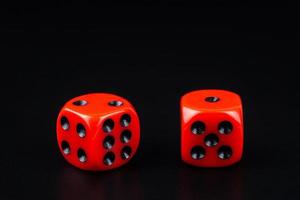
(89,139)
(74,135)
(211,137)
(212,140)
(117,138)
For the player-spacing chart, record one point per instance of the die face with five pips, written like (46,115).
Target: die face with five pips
(98,131)
(211,128)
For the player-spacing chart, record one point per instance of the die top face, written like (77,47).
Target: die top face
(97,104)
(211,100)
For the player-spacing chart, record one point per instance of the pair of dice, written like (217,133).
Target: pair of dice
(102,131)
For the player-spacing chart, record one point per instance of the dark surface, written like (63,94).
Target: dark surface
(151,54)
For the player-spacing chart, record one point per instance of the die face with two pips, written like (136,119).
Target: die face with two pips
(98,131)
(211,128)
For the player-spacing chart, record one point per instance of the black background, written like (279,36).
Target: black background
(151,53)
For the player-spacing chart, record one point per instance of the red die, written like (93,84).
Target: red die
(211,128)
(98,131)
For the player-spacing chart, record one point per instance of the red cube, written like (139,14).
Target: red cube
(211,128)
(98,131)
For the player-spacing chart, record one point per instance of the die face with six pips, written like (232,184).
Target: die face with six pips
(211,128)
(98,131)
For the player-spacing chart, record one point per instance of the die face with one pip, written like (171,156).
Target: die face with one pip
(211,128)
(98,131)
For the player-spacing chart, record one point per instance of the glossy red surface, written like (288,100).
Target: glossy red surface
(92,117)
(195,107)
